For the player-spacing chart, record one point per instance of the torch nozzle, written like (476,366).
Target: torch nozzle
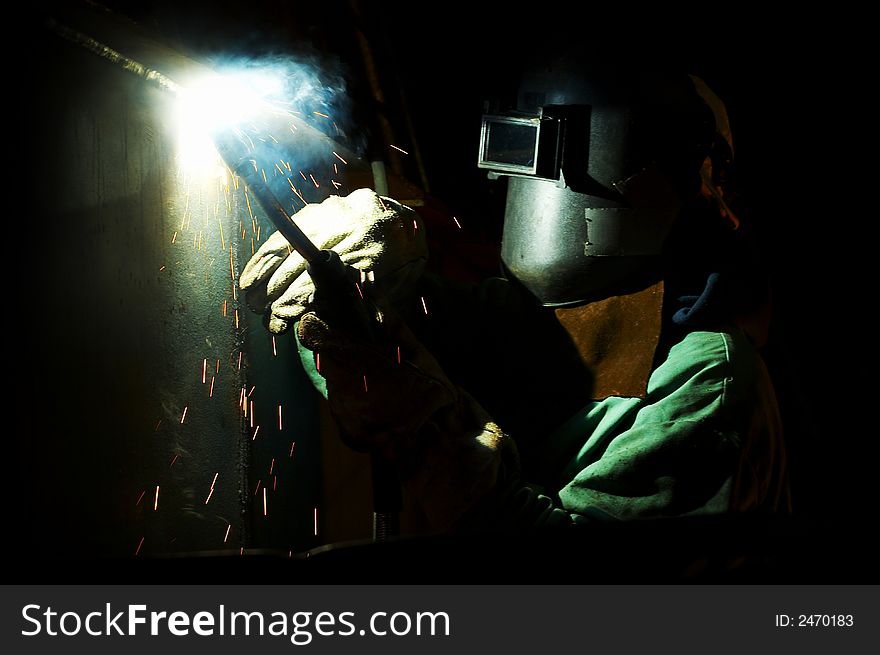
(237,157)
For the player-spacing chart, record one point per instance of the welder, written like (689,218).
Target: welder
(612,372)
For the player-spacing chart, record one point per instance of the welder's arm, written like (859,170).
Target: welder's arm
(392,397)
(378,236)
(706,439)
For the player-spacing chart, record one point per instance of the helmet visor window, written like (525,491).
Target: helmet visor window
(509,144)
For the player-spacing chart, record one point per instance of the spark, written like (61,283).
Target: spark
(228,528)
(279,417)
(272,466)
(456,222)
(415,226)
(183,418)
(314,181)
(317,113)
(211,392)
(365,385)
(382,204)
(239,361)
(292,127)
(174,237)
(316,521)
(280,170)
(236,319)
(335,183)
(274,483)
(396,148)
(424,306)
(231,264)
(218,366)
(174,459)
(335,168)
(162,268)
(204,370)
(138,549)
(358,287)
(225,308)
(305,179)
(265,507)
(398,354)
(340,159)
(274,349)
(318,362)
(241,397)
(211,492)
(263,171)
(298,194)
(156,429)
(248,201)
(252,413)
(156,500)
(257,490)
(185,208)
(292,446)
(273,138)
(140,498)
(253,438)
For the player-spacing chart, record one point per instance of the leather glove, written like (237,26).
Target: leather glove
(449,454)
(370,233)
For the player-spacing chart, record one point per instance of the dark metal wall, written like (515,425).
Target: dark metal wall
(137,349)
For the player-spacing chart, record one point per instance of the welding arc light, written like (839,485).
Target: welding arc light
(220,102)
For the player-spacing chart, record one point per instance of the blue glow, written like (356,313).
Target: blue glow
(280,109)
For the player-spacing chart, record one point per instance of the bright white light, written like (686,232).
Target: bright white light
(214,103)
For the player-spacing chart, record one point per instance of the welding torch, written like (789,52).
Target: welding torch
(337,292)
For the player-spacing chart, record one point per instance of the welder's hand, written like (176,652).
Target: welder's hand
(394,398)
(379,402)
(371,233)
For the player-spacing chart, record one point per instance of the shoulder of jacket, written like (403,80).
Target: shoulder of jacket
(717,362)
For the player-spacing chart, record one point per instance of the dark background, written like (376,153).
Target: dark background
(791,84)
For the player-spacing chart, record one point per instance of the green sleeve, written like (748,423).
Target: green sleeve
(672,453)
(307,358)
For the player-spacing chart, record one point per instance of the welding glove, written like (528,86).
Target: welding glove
(392,397)
(376,235)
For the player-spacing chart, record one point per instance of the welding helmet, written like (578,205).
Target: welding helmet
(600,159)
